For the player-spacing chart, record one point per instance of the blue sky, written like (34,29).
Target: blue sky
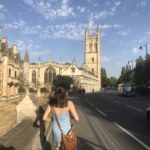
(54,29)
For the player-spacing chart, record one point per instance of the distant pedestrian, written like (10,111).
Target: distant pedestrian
(63,108)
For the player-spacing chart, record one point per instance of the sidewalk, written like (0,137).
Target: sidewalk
(8,115)
(88,134)
(26,137)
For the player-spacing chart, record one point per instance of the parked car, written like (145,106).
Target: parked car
(148,115)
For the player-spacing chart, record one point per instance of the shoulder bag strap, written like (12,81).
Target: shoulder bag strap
(57,120)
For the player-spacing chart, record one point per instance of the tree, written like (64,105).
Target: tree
(104,80)
(112,81)
(142,71)
(22,83)
(63,81)
(139,71)
(126,74)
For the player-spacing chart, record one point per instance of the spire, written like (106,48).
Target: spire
(98,32)
(19,55)
(74,61)
(86,32)
(26,58)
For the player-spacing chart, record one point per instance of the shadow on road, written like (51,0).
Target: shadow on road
(39,123)
(86,144)
(6,148)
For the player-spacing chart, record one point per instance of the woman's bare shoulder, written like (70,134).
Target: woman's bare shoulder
(70,103)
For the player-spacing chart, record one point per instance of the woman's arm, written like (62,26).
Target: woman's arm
(46,114)
(73,111)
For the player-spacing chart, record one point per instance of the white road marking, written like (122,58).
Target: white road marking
(131,135)
(101,112)
(134,108)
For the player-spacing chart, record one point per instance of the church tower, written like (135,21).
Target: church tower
(92,53)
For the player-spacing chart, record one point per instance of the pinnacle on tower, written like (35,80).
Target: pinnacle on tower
(86,32)
(74,61)
(98,32)
(26,58)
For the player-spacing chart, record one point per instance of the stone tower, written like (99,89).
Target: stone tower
(92,53)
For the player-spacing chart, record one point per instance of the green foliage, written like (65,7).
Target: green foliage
(104,80)
(142,72)
(140,75)
(22,83)
(112,82)
(126,74)
(63,81)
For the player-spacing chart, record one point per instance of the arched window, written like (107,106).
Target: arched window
(92,70)
(95,46)
(34,76)
(49,75)
(92,60)
(15,74)
(9,73)
(54,75)
(90,47)
(45,77)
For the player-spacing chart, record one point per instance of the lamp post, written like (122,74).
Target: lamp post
(131,62)
(141,47)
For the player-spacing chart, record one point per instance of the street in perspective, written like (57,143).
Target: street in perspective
(74,75)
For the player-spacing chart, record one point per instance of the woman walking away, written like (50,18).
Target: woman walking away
(63,108)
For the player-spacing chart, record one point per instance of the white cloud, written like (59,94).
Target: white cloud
(134,14)
(51,9)
(16,25)
(2,12)
(81,9)
(147,33)
(95,4)
(108,26)
(72,31)
(103,14)
(106,58)
(124,33)
(142,3)
(135,50)
(116,4)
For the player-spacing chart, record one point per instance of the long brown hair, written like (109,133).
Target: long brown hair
(60,98)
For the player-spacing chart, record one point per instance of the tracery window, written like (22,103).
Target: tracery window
(15,74)
(95,47)
(49,75)
(34,76)
(9,73)
(92,70)
(90,47)
(92,59)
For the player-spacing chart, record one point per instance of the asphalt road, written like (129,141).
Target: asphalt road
(123,119)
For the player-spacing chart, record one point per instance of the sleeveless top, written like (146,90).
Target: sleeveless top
(65,123)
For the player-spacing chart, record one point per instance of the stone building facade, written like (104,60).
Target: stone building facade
(39,75)
(10,67)
(87,77)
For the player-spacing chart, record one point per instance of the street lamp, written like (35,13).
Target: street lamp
(141,47)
